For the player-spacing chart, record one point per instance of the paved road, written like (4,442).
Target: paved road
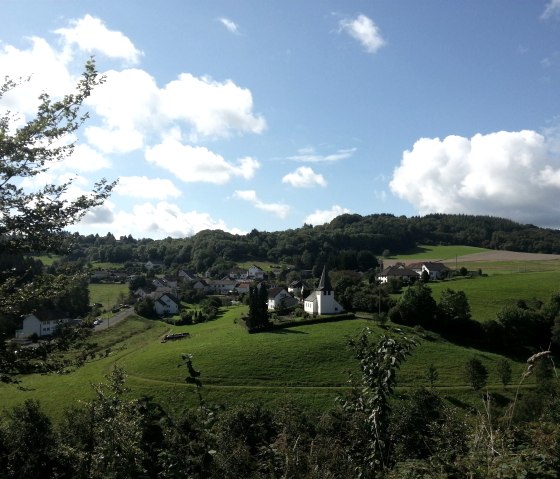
(117,318)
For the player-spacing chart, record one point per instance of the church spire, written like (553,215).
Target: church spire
(325,282)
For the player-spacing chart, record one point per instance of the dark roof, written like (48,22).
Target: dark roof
(273,292)
(436,266)
(325,282)
(48,315)
(398,271)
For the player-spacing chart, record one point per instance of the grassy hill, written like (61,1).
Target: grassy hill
(306,365)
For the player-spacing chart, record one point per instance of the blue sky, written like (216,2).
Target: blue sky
(268,115)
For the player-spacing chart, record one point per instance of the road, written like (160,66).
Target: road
(116,319)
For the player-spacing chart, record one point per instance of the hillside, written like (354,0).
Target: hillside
(349,241)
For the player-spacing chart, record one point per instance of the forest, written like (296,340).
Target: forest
(348,242)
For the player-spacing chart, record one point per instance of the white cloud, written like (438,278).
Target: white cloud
(509,174)
(132,107)
(127,104)
(214,109)
(320,217)
(192,164)
(46,69)
(229,24)
(279,209)
(552,9)
(84,159)
(304,177)
(92,36)
(144,187)
(308,155)
(364,30)
(154,221)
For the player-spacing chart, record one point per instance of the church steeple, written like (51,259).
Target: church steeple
(325,282)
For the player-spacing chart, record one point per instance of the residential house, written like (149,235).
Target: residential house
(322,300)
(201,285)
(187,275)
(172,281)
(41,323)
(435,270)
(398,271)
(222,286)
(243,286)
(153,265)
(280,298)
(166,303)
(254,272)
(237,273)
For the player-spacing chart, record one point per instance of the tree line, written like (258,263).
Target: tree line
(348,242)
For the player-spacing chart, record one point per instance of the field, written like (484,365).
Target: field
(106,294)
(305,365)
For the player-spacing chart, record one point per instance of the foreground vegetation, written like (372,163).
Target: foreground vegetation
(371,433)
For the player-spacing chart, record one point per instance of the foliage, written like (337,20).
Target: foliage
(432,375)
(476,373)
(503,368)
(27,437)
(371,400)
(258,307)
(32,221)
(417,306)
(102,438)
(145,307)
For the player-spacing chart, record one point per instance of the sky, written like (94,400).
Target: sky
(266,115)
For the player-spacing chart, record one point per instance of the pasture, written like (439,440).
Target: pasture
(306,365)
(108,294)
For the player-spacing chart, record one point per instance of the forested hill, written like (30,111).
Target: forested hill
(350,241)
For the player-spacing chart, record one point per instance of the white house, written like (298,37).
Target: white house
(322,300)
(398,271)
(435,270)
(150,265)
(243,286)
(187,275)
(41,323)
(254,272)
(279,297)
(166,304)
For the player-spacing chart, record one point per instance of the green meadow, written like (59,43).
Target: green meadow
(488,295)
(106,293)
(305,365)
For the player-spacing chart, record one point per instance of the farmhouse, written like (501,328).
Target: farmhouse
(398,271)
(41,323)
(435,270)
(322,301)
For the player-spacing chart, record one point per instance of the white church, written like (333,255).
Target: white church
(321,301)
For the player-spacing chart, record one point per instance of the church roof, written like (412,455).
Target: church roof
(325,282)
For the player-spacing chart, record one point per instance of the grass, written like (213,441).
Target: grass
(306,365)
(107,294)
(438,252)
(488,295)
(47,260)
